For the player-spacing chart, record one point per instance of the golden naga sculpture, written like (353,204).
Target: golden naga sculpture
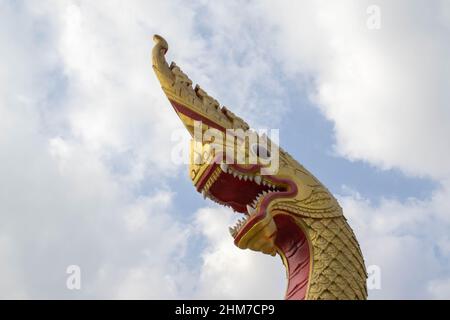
(288,212)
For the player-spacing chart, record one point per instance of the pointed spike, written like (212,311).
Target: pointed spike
(224,167)
(258,180)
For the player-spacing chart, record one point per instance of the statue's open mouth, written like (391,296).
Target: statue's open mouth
(243,189)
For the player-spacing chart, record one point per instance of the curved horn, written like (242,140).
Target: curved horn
(159,62)
(194,101)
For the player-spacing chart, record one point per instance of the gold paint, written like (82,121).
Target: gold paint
(337,269)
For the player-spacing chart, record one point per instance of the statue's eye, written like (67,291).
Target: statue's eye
(260,151)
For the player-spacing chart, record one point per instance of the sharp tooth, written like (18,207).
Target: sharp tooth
(231,230)
(245,178)
(250,209)
(224,167)
(258,180)
(234,174)
(264,182)
(240,177)
(250,178)
(204,194)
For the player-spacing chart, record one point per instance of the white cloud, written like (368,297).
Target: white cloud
(11,280)
(409,241)
(440,289)
(386,93)
(64,207)
(385,90)
(63,198)
(114,102)
(230,273)
(84,125)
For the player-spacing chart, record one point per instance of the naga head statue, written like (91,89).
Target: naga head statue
(285,210)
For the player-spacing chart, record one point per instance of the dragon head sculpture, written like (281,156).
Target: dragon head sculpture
(285,209)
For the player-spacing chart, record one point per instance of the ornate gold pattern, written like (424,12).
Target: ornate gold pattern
(178,88)
(337,268)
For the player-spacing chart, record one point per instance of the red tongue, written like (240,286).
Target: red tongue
(235,192)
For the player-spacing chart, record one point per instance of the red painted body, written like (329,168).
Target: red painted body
(294,244)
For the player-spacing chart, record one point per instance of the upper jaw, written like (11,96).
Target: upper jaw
(256,208)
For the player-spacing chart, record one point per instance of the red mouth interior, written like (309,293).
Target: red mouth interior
(235,192)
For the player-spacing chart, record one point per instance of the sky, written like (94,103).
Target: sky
(86,138)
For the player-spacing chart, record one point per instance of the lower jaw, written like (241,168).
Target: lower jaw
(291,244)
(251,230)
